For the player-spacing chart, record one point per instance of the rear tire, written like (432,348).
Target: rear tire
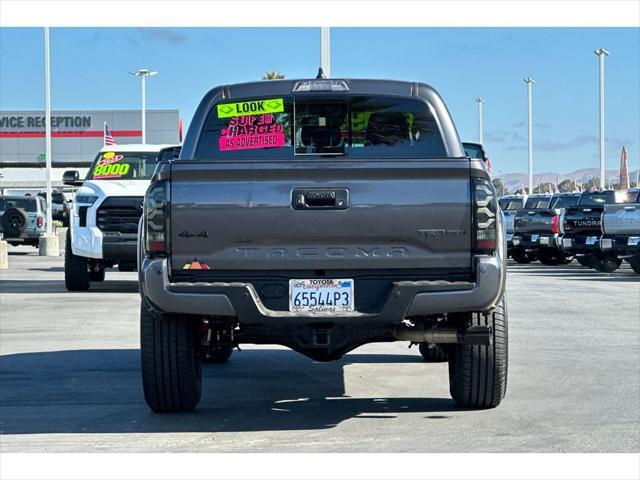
(635,263)
(522,256)
(607,263)
(478,373)
(433,353)
(76,269)
(171,370)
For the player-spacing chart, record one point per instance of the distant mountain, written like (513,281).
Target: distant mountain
(513,181)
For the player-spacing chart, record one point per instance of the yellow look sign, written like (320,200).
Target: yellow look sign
(254,107)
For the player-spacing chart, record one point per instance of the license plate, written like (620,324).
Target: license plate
(534,238)
(633,241)
(544,240)
(566,242)
(516,241)
(321,295)
(591,240)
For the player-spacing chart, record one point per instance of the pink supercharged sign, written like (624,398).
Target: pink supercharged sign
(251,131)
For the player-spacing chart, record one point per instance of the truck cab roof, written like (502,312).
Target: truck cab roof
(342,85)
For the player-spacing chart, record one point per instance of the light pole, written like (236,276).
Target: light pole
(325,51)
(47,126)
(480,130)
(529,81)
(601,53)
(143,73)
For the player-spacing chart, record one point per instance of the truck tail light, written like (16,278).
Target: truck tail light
(485,208)
(555,224)
(156,218)
(40,221)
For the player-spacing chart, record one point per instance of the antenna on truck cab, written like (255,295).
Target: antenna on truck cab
(321,74)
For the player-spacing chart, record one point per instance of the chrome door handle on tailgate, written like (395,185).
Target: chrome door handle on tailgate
(320,199)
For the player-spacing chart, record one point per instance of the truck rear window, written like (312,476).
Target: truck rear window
(627,197)
(510,203)
(564,201)
(351,126)
(596,199)
(473,151)
(538,202)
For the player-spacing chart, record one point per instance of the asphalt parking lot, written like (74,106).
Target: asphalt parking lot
(70,379)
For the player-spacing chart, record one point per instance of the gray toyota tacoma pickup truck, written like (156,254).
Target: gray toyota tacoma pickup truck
(321,215)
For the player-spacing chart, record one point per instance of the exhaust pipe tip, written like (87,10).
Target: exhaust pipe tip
(420,333)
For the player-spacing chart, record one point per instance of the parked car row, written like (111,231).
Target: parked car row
(599,229)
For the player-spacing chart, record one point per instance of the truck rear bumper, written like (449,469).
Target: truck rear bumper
(582,244)
(536,241)
(623,245)
(406,299)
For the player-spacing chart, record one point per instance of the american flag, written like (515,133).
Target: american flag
(108,138)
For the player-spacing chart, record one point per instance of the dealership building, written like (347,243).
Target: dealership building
(76,137)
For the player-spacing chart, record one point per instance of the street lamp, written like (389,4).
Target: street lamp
(529,81)
(601,53)
(325,51)
(480,130)
(143,73)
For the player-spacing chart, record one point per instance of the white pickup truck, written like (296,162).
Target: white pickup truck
(106,209)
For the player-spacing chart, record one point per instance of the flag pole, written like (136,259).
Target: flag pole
(104,135)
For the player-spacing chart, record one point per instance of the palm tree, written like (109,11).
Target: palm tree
(273,75)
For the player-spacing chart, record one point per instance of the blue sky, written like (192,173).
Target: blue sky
(90,65)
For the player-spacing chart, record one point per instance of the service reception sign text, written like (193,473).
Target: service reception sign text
(78,135)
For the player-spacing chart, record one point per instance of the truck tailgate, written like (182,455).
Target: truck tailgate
(243,215)
(582,220)
(623,219)
(534,221)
